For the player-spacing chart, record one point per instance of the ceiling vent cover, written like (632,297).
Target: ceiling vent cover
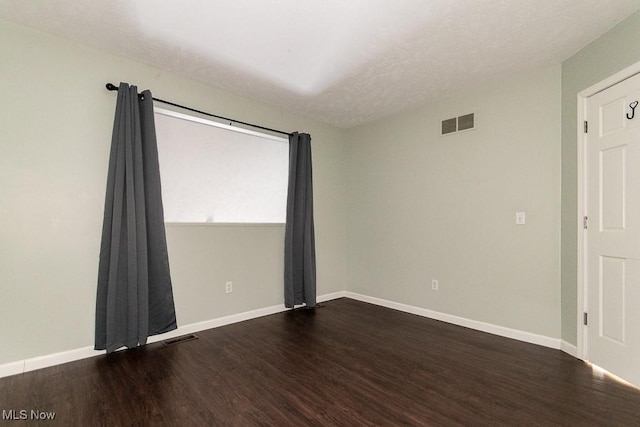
(458,124)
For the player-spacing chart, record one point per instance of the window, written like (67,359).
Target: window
(215,173)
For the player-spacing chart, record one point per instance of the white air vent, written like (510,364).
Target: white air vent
(458,124)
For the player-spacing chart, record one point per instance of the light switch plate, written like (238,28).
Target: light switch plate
(520,218)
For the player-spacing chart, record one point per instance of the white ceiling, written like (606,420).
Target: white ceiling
(344,62)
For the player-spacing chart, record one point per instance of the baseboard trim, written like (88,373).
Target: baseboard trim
(234,318)
(11,368)
(40,362)
(462,321)
(568,348)
(332,296)
(54,359)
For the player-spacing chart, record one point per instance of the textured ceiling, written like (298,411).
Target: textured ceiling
(344,62)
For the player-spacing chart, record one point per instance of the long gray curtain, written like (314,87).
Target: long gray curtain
(135,297)
(299,247)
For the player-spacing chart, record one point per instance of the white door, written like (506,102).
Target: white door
(613,231)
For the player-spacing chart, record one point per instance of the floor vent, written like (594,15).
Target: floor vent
(178,340)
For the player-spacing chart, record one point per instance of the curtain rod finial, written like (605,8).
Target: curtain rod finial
(111,86)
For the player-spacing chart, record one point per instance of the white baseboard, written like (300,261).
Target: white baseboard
(48,360)
(570,349)
(31,364)
(11,368)
(462,321)
(329,297)
(39,362)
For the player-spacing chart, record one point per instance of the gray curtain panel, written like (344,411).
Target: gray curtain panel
(135,296)
(299,247)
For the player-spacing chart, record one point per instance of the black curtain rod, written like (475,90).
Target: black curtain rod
(111,86)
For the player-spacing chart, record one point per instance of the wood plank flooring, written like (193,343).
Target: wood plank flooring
(347,363)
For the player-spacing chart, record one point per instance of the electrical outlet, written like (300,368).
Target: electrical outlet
(434,285)
(229,287)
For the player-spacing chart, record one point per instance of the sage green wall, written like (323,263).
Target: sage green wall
(426,207)
(614,51)
(55,120)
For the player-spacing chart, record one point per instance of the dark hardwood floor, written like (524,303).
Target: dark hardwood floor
(347,363)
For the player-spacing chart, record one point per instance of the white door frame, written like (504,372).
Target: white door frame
(582,199)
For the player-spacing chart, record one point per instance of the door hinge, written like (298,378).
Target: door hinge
(585,318)
(585,222)
(586,126)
